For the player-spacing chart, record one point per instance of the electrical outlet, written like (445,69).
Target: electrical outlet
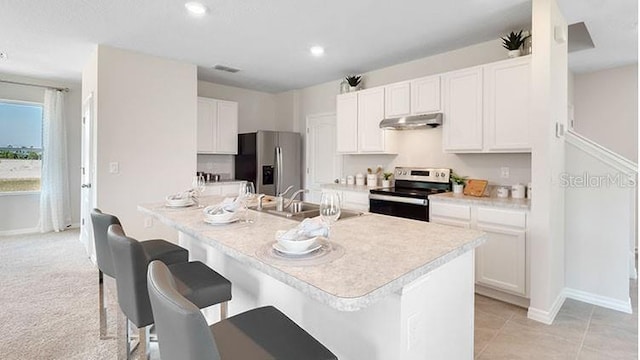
(148,222)
(504,172)
(114,167)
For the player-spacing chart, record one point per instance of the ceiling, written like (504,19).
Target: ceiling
(269,41)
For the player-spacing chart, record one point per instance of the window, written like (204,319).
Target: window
(20,146)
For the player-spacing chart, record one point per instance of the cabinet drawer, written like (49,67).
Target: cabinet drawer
(450,222)
(516,219)
(461,212)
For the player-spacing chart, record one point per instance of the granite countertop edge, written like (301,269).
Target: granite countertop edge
(509,203)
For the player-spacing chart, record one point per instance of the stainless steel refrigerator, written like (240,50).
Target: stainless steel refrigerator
(270,159)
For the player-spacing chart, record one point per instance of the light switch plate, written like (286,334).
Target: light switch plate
(504,172)
(114,167)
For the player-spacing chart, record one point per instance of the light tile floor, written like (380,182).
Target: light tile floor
(580,331)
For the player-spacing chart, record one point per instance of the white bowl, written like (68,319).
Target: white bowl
(173,200)
(223,215)
(296,246)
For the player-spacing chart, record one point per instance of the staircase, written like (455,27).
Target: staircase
(600,222)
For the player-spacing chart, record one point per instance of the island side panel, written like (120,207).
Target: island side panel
(443,299)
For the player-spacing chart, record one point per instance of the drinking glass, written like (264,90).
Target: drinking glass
(329,208)
(198,185)
(246,195)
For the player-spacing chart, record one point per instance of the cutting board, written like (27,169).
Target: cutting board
(475,187)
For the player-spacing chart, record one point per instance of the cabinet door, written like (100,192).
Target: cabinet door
(397,98)
(355,200)
(462,124)
(227,127)
(500,262)
(347,123)
(206,125)
(370,113)
(507,102)
(425,95)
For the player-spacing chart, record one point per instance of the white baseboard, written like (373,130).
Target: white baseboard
(20,232)
(599,300)
(547,317)
(503,296)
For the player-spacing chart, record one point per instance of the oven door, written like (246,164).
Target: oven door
(410,208)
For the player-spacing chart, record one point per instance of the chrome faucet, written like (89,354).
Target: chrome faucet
(294,196)
(280,199)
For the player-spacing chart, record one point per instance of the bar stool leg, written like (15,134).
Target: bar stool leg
(224,310)
(143,343)
(102,309)
(122,336)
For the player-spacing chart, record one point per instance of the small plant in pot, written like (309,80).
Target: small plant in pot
(458,183)
(354,82)
(386,182)
(513,42)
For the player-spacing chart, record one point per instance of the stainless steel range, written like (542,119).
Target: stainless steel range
(409,197)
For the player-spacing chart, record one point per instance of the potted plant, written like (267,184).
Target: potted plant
(513,42)
(458,183)
(386,182)
(354,82)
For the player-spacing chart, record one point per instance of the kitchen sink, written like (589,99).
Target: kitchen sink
(307,210)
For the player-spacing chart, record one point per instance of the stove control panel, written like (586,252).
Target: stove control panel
(423,174)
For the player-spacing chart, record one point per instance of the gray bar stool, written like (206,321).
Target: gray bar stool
(194,280)
(156,249)
(262,333)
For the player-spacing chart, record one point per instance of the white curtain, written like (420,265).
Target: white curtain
(54,192)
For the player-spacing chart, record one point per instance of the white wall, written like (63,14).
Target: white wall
(600,225)
(28,205)
(549,94)
(146,121)
(606,108)
(420,147)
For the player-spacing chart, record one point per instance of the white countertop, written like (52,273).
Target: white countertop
(511,203)
(382,253)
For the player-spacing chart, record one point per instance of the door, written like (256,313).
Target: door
(206,126)
(425,95)
(370,113)
(500,261)
(462,124)
(290,161)
(87,174)
(397,99)
(266,142)
(323,161)
(226,134)
(347,123)
(507,115)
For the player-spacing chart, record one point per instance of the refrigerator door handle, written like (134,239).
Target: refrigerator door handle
(279,169)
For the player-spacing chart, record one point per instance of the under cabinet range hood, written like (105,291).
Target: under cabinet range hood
(412,122)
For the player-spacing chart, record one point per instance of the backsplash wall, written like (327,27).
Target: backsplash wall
(217,164)
(423,148)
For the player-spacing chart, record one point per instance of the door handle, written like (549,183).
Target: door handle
(85,186)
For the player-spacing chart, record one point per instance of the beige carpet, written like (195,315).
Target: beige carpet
(49,300)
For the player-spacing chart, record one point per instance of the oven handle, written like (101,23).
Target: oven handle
(399,199)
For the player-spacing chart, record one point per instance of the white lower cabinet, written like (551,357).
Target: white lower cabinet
(501,262)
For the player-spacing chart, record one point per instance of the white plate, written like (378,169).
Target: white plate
(178,205)
(221,222)
(279,248)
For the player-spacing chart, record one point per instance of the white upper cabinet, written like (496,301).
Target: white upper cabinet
(486,109)
(462,123)
(347,123)
(507,96)
(370,113)
(227,127)
(358,116)
(425,95)
(217,126)
(397,99)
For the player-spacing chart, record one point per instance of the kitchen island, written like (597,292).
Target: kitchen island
(401,289)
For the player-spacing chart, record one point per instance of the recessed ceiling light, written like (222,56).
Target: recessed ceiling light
(196,8)
(317,50)
(3,55)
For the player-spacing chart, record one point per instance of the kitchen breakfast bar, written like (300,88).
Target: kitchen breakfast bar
(387,288)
